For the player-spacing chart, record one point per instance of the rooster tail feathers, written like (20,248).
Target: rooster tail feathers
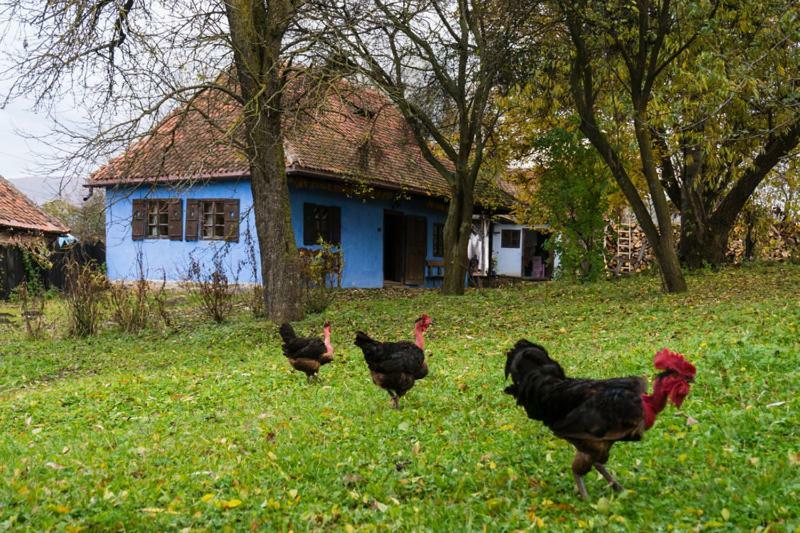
(363,340)
(287,332)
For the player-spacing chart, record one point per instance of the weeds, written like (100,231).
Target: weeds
(321,275)
(256,298)
(85,294)
(135,307)
(212,289)
(31,306)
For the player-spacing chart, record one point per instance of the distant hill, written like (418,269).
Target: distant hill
(43,189)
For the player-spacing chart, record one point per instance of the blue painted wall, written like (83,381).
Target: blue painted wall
(361,227)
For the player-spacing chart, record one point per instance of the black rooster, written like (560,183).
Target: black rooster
(593,414)
(395,366)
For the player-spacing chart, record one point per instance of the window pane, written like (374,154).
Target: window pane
(509,238)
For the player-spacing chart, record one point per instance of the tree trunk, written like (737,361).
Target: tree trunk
(456,237)
(280,261)
(662,240)
(702,242)
(704,236)
(256,37)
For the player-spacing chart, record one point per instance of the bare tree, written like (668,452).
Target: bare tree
(441,62)
(131,63)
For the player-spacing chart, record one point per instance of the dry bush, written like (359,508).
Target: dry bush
(321,275)
(85,292)
(160,302)
(134,307)
(31,306)
(256,295)
(212,289)
(129,306)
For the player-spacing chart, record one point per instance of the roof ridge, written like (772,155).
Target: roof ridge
(7,202)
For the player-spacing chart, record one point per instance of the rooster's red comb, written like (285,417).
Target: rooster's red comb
(667,360)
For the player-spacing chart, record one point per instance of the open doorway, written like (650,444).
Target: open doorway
(393,245)
(535,258)
(405,247)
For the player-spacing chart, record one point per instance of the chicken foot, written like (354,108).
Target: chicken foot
(606,474)
(580,485)
(395,399)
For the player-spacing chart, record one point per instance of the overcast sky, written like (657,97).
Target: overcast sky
(20,156)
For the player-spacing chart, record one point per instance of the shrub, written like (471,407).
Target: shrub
(31,306)
(85,290)
(570,193)
(321,274)
(210,288)
(256,297)
(134,307)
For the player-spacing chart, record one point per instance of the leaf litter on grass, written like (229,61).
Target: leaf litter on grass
(208,427)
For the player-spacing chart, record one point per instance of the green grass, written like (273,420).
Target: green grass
(208,427)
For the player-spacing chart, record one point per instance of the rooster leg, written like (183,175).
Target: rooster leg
(308,378)
(606,474)
(395,399)
(581,486)
(581,466)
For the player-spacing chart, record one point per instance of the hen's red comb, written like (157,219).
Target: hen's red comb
(667,360)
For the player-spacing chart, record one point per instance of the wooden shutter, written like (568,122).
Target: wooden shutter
(139,220)
(232,220)
(175,219)
(416,250)
(309,224)
(334,225)
(192,220)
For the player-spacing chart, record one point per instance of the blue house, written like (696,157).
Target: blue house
(356,178)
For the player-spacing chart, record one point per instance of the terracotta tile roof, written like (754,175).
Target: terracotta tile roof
(357,136)
(18,212)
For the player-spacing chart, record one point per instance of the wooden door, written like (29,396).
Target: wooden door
(528,252)
(393,246)
(416,250)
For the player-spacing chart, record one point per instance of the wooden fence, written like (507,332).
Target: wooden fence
(13,270)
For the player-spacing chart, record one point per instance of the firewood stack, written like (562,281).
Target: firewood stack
(626,247)
(781,243)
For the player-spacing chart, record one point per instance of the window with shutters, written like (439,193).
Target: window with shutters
(321,222)
(157,219)
(212,219)
(509,238)
(438,240)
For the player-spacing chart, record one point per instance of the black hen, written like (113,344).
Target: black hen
(395,366)
(592,414)
(307,354)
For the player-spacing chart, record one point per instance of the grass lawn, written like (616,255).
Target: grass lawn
(208,427)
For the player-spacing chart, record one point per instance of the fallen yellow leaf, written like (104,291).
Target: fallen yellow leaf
(230,504)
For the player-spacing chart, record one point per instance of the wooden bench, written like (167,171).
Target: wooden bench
(434,269)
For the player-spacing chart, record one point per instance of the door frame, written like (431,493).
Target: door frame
(402,246)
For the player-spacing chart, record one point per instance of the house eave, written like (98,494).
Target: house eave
(293,170)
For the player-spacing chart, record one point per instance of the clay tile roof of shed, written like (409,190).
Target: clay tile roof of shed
(18,212)
(353,135)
